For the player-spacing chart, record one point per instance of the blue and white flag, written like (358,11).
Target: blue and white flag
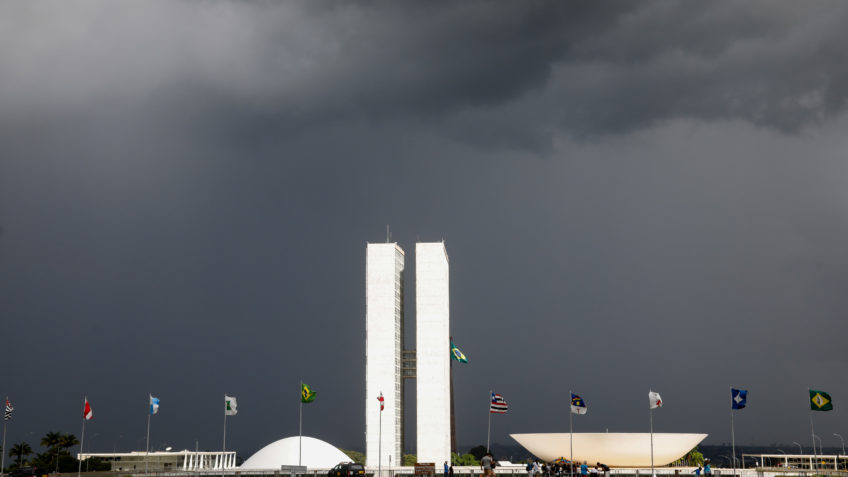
(578,405)
(154,404)
(738,398)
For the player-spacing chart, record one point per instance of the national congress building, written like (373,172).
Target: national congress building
(388,362)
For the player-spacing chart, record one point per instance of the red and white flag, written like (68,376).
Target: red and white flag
(87,414)
(382,401)
(654,399)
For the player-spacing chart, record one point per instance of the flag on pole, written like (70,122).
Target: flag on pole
(154,404)
(306,393)
(87,414)
(820,401)
(382,401)
(738,398)
(457,354)
(8,413)
(578,405)
(654,399)
(230,405)
(499,405)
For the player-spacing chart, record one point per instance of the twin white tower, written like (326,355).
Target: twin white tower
(387,364)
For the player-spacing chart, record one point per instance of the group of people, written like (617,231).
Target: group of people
(708,471)
(563,468)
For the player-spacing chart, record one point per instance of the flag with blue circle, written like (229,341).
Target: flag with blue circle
(738,398)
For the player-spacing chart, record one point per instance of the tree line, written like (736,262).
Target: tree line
(56,455)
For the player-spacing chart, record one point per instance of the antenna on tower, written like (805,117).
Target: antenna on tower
(388,234)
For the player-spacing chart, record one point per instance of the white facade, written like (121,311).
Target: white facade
(165,461)
(432,336)
(384,264)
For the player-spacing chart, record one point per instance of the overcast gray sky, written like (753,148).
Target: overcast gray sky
(633,195)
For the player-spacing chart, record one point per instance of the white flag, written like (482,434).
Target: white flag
(231,404)
(654,399)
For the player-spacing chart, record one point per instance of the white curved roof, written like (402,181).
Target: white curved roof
(315,454)
(613,449)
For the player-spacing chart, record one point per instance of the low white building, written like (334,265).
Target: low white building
(165,461)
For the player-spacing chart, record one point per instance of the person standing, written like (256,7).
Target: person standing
(447,468)
(486,465)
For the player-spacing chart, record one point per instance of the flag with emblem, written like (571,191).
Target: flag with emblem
(820,401)
(230,405)
(306,393)
(7,414)
(654,399)
(154,404)
(738,398)
(578,405)
(457,354)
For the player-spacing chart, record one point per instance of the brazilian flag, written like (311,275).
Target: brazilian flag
(306,393)
(457,354)
(820,401)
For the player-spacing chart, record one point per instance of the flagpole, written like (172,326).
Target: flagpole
(489,432)
(813,434)
(380,445)
(300,428)
(224,446)
(147,444)
(732,432)
(3,454)
(651,411)
(571,434)
(3,457)
(82,439)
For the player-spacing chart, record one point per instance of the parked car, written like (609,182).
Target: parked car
(347,469)
(25,472)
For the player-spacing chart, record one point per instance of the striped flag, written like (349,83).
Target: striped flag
(382,401)
(8,414)
(498,405)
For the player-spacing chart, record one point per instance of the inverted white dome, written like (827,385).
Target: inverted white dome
(315,454)
(613,449)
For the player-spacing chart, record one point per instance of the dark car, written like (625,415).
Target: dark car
(347,469)
(24,472)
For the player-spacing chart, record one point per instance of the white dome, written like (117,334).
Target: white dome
(316,454)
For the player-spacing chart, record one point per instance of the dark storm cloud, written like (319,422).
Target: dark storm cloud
(186,189)
(581,68)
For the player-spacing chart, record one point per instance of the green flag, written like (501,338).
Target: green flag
(820,401)
(306,393)
(457,354)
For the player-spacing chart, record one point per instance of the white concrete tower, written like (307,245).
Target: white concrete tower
(383,346)
(432,338)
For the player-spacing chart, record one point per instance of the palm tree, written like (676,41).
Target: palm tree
(51,440)
(20,449)
(67,441)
